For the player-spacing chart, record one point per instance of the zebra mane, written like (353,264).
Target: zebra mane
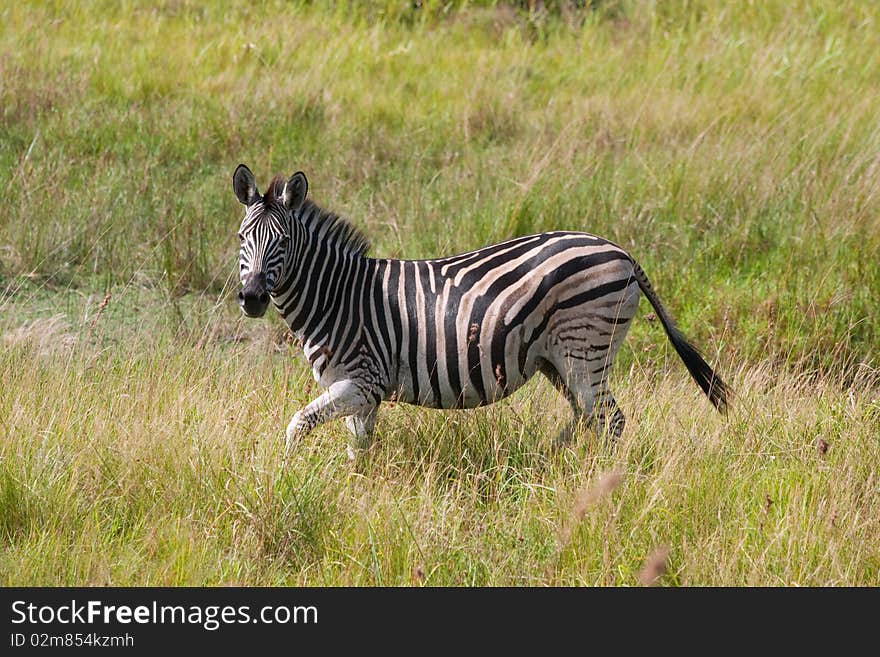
(327,226)
(275,191)
(333,229)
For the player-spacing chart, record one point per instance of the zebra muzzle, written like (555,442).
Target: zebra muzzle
(254,298)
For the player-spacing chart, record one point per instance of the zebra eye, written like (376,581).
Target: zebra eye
(284,240)
(241,237)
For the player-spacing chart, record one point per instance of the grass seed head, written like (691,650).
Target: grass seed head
(654,567)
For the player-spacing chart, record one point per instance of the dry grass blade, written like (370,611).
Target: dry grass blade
(45,335)
(98,314)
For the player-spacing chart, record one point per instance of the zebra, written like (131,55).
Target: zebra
(455,332)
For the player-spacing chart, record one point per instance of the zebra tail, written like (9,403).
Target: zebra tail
(717,391)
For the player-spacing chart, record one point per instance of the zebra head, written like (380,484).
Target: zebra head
(265,234)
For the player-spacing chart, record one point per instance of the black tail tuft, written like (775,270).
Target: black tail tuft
(716,390)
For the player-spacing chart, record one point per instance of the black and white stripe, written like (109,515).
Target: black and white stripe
(456,332)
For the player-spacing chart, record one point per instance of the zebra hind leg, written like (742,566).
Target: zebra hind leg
(597,403)
(610,420)
(599,409)
(591,403)
(581,406)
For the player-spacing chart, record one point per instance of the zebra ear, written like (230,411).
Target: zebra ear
(244,185)
(295,191)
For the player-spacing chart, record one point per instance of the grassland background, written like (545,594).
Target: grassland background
(732,148)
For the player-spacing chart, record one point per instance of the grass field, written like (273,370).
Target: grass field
(733,149)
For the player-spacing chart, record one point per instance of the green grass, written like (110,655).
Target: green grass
(733,152)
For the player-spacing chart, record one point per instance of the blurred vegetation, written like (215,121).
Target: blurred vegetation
(733,150)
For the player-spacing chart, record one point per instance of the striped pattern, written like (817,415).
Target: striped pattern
(455,332)
(264,237)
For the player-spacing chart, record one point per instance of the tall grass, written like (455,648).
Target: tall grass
(157,459)
(734,151)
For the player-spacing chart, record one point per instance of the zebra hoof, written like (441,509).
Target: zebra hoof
(293,433)
(356,450)
(565,437)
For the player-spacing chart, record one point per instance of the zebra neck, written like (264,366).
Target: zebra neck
(320,300)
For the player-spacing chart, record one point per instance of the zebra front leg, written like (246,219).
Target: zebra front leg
(361,428)
(341,398)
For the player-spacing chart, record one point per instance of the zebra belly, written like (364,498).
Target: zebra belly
(468,398)
(452,381)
